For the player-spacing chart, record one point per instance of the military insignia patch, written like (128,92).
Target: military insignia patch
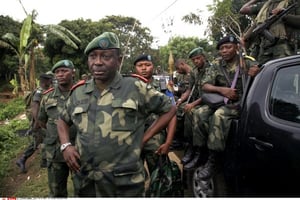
(103,43)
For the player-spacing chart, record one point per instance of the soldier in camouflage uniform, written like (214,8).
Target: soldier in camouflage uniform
(52,104)
(183,71)
(160,143)
(109,112)
(32,113)
(214,124)
(285,30)
(192,155)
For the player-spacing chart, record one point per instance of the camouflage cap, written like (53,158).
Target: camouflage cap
(63,63)
(227,39)
(197,51)
(106,40)
(144,57)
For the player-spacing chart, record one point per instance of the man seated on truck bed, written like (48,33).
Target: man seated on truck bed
(215,122)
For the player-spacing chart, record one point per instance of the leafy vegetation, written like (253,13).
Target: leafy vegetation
(10,142)
(9,111)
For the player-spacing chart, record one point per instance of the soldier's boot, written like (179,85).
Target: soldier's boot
(188,155)
(21,163)
(211,166)
(198,156)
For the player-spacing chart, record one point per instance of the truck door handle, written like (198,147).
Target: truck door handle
(260,145)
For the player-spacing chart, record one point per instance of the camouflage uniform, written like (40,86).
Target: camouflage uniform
(58,171)
(110,128)
(190,120)
(285,35)
(182,83)
(148,152)
(214,125)
(38,135)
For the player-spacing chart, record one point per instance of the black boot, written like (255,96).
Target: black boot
(210,167)
(188,155)
(199,155)
(21,163)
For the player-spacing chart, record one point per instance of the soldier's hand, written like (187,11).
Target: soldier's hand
(253,70)
(163,149)
(72,157)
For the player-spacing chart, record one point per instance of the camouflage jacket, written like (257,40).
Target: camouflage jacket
(110,124)
(51,105)
(195,79)
(215,75)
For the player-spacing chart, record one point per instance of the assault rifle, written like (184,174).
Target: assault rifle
(262,28)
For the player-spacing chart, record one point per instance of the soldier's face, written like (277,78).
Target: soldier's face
(228,51)
(198,61)
(144,68)
(103,64)
(64,75)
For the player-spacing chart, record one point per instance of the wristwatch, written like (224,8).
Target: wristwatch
(64,146)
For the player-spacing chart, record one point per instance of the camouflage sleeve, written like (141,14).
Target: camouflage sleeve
(64,115)
(210,75)
(192,79)
(37,95)
(155,101)
(42,115)
(255,8)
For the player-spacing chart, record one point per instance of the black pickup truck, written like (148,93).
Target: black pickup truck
(262,157)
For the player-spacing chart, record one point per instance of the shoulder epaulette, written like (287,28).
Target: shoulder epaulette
(79,83)
(49,90)
(140,77)
(250,58)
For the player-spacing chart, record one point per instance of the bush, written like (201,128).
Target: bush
(11,109)
(10,142)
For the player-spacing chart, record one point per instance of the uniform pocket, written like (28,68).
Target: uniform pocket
(80,117)
(124,116)
(128,174)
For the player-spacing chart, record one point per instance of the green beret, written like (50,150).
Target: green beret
(197,51)
(63,63)
(227,39)
(106,40)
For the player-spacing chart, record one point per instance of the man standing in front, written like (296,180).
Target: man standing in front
(109,112)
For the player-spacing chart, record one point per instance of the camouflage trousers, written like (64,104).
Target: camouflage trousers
(213,127)
(117,183)
(37,139)
(280,50)
(148,153)
(58,173)
(189,122)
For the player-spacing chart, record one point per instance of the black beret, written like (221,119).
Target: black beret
(47,75)
(227,39)
(144,57)
(197,51)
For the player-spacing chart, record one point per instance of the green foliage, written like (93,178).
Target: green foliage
(11,143)
(9,111)
(226,19)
